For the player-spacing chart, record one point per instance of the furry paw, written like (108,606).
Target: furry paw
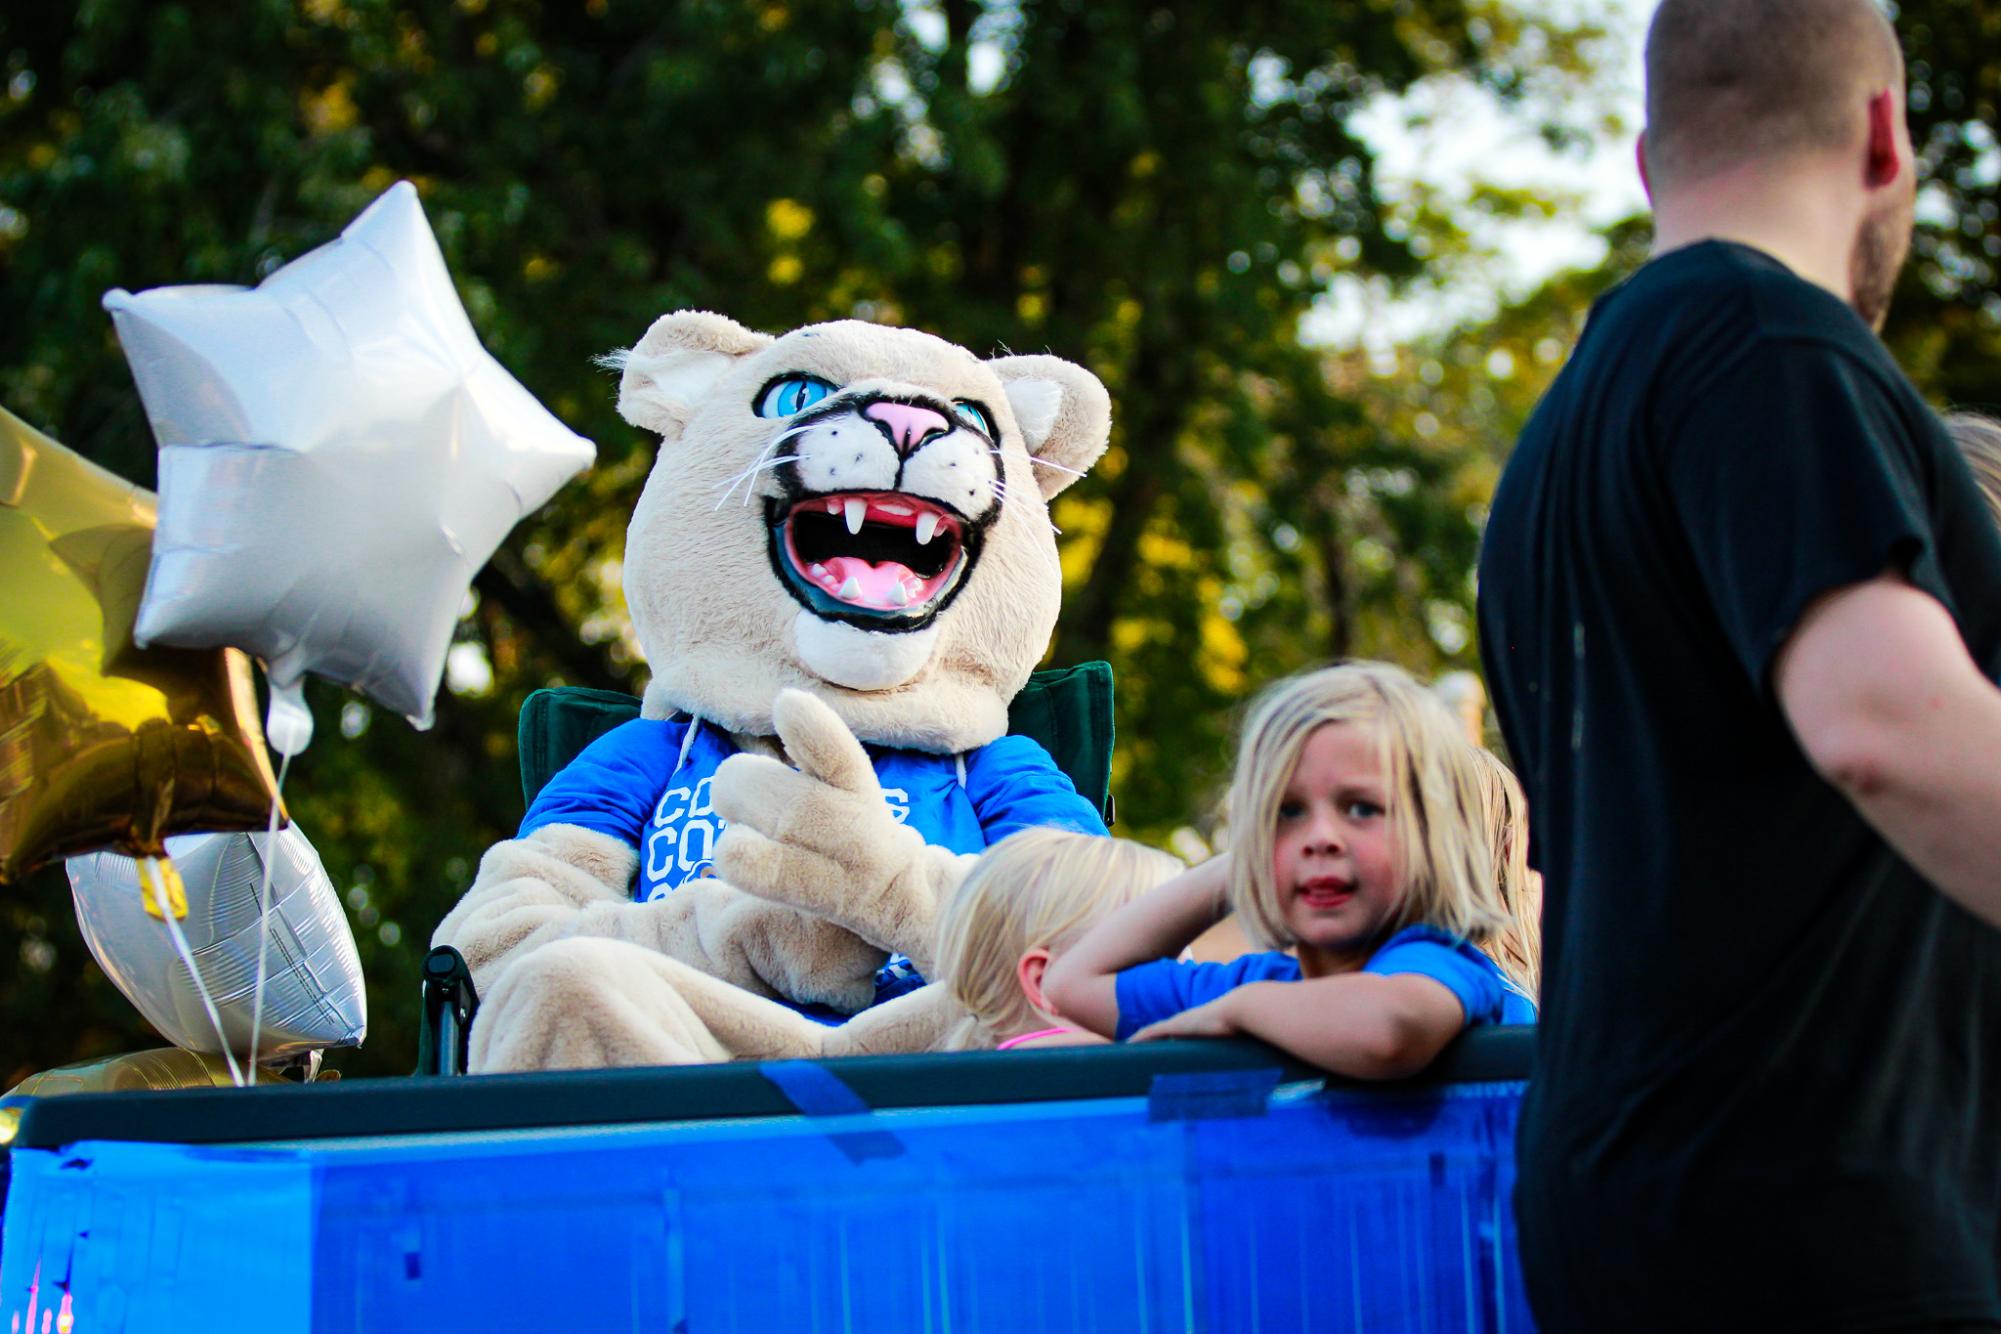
(584,1004)
(820,838)
(532,889)
(798,957)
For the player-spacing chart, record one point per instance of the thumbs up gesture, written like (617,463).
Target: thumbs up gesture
(820,837)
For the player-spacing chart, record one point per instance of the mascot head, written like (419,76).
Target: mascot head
(853,510)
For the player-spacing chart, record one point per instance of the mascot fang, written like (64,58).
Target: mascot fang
(841,572)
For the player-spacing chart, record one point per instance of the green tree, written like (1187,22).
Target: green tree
(1945,326)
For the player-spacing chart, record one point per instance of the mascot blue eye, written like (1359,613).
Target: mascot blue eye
(792,395)
(975,416)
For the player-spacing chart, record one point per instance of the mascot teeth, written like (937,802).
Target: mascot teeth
(884,560)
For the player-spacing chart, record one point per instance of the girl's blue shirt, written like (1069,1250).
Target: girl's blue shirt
(1160,990)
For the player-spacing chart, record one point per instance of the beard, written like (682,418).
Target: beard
(1882,244)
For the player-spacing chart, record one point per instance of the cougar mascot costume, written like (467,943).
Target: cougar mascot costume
(841,572)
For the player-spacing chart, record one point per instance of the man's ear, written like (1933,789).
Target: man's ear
(1640,160)
(1885,154)
(668,371)
(1064,414)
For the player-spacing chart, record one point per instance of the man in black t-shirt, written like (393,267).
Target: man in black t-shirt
(1741,610)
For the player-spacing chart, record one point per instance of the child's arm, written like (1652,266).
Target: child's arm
(1363,1025)
(1082,981)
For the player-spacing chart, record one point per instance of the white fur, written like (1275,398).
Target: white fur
(860,659)
(1036,404)
(1077,435)
(957,470)
(667,383)
(847,453)
(676,365)
(843,453)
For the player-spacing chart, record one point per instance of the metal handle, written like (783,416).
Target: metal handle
(450,1002)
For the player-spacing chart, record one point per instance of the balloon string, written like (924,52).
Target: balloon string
(264,918)
(187,957)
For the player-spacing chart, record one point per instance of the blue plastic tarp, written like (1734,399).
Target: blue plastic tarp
(1217,1204)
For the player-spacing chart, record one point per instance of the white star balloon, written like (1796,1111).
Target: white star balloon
(314,995)
(338,457)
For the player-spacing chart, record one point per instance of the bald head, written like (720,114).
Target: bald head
(1737,81)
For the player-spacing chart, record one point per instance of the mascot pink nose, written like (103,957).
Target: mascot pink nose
(907,425)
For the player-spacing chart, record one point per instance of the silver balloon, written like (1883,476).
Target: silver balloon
(313,993)
(338,457)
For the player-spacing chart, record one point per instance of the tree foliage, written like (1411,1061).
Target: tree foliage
(1946,324)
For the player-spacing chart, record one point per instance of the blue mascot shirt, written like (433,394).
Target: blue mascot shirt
(633,784)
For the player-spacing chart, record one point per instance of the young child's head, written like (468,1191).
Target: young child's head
(1029,897)
(1518,946)
(1358,809)
(1979,440)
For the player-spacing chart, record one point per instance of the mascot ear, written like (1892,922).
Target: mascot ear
(669,370)
(1064,414)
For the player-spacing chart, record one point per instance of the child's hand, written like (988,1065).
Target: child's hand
(1217,1019)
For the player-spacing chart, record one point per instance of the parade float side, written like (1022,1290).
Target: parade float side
(1189,1185)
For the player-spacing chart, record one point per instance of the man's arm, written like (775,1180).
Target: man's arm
(1890,708)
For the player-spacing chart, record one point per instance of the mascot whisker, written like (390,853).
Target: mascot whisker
(821,753)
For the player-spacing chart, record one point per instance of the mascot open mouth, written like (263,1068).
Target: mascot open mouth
(882,560)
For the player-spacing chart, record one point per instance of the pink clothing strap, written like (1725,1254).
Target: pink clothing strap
(1030,1037)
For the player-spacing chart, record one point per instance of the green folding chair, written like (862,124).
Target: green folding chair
(1068,710)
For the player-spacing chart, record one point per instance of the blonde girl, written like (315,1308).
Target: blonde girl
(1978,439)
(1518,947)
(1361,820)
(1030,896)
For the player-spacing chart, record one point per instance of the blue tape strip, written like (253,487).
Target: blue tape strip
(817,1091)
(1211,1096)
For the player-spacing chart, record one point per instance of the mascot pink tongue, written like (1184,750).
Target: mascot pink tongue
(928,535)
(844,543)
(867,585)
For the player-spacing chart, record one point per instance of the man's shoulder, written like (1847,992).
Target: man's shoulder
(1726,292)
(1714,322)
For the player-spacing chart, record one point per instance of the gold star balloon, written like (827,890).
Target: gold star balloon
(102,744)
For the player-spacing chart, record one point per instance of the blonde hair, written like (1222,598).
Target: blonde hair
(1038,887)
(1518,946)
(1978,438)
(1436,799)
